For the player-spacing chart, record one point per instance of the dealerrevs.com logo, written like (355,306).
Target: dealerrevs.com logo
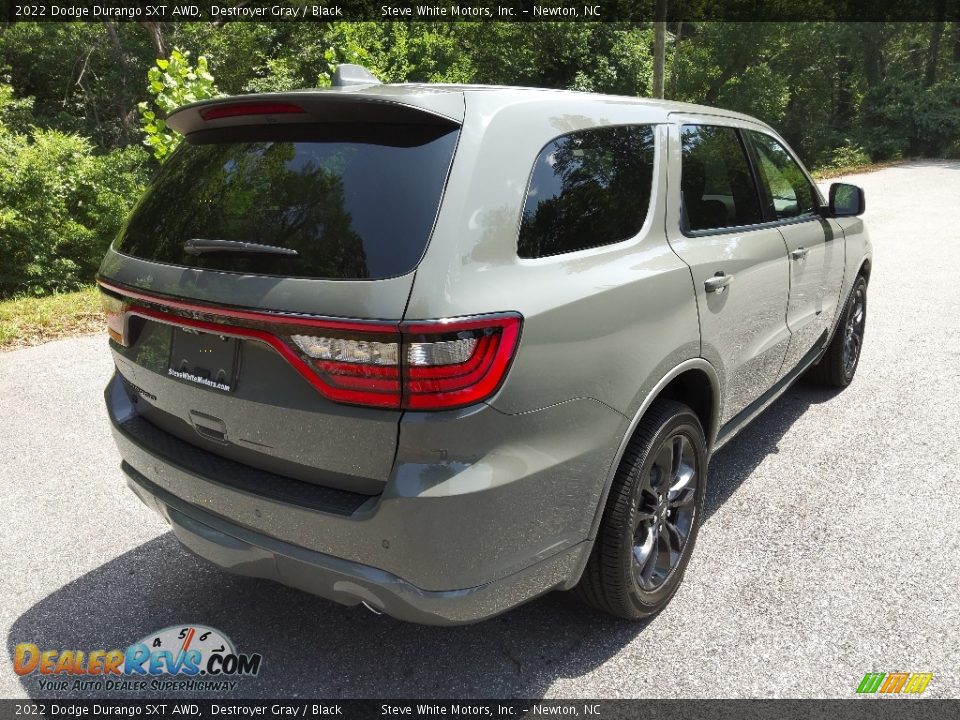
(180,657)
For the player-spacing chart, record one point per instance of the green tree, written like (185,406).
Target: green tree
(173,82)
(60,204)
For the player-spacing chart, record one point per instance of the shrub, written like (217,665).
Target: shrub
(60,206)
(849,155)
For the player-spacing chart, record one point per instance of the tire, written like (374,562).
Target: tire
(839,363)
(640,553)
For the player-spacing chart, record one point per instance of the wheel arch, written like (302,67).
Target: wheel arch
(693,382)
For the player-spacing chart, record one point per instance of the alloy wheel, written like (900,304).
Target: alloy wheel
(665,512)
(853,332)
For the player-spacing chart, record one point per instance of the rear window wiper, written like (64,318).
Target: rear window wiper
(199,246)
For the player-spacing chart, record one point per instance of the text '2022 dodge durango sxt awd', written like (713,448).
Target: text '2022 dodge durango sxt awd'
(440,349)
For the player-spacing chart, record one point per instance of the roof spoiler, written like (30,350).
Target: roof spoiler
(351,103)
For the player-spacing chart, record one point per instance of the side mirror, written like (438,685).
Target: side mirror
(846,200)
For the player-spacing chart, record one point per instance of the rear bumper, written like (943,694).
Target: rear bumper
(244,552)
(482,511)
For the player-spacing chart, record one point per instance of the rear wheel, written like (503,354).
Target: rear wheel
(839,364)
(650,522)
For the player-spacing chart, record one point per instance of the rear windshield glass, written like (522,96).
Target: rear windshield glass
(354,202)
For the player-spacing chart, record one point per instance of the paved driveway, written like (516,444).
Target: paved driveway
(831,546)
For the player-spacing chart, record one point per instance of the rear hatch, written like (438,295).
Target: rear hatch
(275,249)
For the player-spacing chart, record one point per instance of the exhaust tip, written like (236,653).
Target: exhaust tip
(371,608)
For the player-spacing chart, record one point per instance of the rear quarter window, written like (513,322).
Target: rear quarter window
(588,189)
(354,201)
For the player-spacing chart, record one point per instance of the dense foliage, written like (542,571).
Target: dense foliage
(841,93)
(172,82)
(60,202)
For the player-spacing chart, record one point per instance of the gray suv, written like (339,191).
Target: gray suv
(441,349)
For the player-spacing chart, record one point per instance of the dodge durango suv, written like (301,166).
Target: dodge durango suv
(440,349)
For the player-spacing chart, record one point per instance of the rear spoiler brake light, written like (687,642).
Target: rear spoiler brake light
(249,108)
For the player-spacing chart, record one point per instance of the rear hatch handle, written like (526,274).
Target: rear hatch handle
(199,246)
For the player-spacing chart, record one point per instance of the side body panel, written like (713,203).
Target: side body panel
(605,323)
(601,326)
(859,250)
(743,329)
(816,248)
(817,259)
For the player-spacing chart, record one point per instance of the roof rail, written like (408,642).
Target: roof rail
(348,74)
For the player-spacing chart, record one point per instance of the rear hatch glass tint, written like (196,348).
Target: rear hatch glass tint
(353,201)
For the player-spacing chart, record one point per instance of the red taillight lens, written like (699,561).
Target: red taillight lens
(363,371)
(456,363)
(430,366)
(249,108)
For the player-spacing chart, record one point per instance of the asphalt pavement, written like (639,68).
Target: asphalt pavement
(831,545)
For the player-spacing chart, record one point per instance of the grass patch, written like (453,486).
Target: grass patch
(34,320)
(832,171)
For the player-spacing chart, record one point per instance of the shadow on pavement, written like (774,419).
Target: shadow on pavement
(315,648)
(737,460)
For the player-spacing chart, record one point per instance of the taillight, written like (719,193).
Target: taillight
(249,108)
(353,370)
(115,311)
(458,362)
(431,365)
(415,365)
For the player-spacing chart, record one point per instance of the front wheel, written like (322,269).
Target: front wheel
(651,517)
(839,363)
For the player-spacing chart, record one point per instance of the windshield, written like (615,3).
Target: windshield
(352,202)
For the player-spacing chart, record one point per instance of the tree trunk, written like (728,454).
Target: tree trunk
(675,70)
(125,112)
(843,107)
(659,46)
(156,37)
(873,55)
(933,52)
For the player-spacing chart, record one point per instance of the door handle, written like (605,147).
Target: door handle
(718,283)
(799,253)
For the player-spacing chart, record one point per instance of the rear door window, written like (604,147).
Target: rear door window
(588,188)
(717,185)
(353,202)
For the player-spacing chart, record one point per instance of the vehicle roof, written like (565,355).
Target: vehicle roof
(510,94)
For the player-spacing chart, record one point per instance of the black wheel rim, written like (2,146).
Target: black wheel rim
(853,332)
(665,512)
